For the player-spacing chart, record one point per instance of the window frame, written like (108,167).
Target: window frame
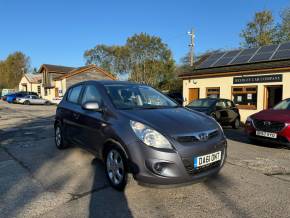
(244,91)
(218,93)
(80,95)
(84,89)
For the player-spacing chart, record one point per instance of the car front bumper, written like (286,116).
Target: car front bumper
(283,137)
(157,167)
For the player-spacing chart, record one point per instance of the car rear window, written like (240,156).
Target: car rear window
(202,103)
(74,94)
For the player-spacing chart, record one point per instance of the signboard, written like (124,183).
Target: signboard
(258,79)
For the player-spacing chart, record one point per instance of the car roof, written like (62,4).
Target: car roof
(216,99)
(107,82)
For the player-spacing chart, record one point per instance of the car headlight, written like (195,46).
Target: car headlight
(149,136)
(249,121)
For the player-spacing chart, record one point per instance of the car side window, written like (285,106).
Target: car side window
(228,104)
(91,94)
(220,105)
(74,94)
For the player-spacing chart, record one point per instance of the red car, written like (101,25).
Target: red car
(272,125)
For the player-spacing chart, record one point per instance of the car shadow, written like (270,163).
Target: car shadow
(218,187)
(34,172)
(105,201)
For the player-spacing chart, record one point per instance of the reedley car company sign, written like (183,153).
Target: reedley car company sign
(258,79)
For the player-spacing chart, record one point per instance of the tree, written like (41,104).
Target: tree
(283,33)
(12,69)
(261,31)
(111,58)
(150,59)
(146,59)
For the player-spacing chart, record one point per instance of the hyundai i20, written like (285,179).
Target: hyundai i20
(135,129)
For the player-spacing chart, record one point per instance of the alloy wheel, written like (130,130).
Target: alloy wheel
(115,167)
(58,136)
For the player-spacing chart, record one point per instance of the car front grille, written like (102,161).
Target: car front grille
(268,126)
(194,139)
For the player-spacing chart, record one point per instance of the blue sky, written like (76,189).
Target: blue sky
(59,31)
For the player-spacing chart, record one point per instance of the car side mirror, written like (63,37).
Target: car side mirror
(92,106)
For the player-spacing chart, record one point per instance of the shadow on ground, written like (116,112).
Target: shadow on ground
(217,186)
(36,178)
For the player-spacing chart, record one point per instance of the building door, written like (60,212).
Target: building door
(56,92)
(193,94)
(24,87)
(273,95)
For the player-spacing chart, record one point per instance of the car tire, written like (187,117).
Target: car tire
(236,124)
(213,115)
(116,166)
(26,102)
(47,103)
(58,137)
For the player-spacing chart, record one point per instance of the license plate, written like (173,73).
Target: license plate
(266,134)
(207,159)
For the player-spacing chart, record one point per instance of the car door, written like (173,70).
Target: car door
(34,99)
(28,98)
(221,111)
(71,113)
(233,111)
(92,122)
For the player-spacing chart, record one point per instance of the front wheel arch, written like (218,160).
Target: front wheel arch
(108,144)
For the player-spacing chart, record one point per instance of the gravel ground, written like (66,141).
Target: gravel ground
(37,180)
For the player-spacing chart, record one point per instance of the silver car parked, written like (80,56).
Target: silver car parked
(32,99)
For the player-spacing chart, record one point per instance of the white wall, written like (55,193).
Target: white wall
(226,83)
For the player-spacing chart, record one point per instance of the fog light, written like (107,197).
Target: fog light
(158,167)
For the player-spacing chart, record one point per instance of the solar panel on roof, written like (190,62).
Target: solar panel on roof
(210,60)
(261,57)
(248,51)
(267,48)
(231,54)
(250,55)
(244,56)
(284,46)
(284,54)
(226,59)
(264,53)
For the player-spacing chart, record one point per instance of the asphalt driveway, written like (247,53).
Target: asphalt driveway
(37,180)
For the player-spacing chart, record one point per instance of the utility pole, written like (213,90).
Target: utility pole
(191,47)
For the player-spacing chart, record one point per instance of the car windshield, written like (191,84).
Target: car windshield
(283,105)
(137,97)
(202,103)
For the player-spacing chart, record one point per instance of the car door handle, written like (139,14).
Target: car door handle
(76,116)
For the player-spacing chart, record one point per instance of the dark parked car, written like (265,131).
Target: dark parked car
(135,129)
(272,125)
(223,110)
(176,97)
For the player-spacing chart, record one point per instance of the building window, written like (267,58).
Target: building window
(38,90)
(45,92)
(245,97)
(213,92)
